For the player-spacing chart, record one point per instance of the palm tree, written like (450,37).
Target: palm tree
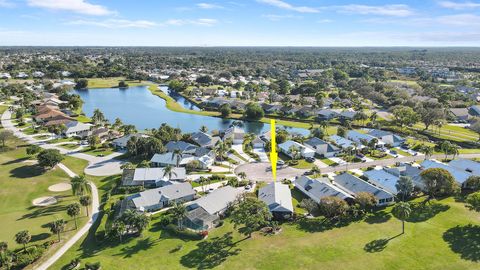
(168,171)
(79,185)
(294,152)
(57,227)
(73,210)
(204,129)
(178,154)
(179,212)
(373,116)
(220,150)
(446,147)
(402,211)
(22,238)
(428,150)
(454,150)
(127,165)
(242,175)
(86,200)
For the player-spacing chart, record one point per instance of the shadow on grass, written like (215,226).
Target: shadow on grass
(378,217)
(40,237)
(464,240)
(378,245)
(425,211)
(211,253)
(26,171)
(141,245)
(43,211)
(321,224)
(14,161)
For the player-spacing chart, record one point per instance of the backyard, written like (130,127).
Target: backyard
(372,243)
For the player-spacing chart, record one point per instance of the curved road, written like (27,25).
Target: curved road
(104,165)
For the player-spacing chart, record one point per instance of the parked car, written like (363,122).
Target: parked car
(248,187)
(393,152)
(310,159)
(280,162)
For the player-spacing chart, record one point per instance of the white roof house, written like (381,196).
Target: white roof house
(345,143)
(460,175)
(467,165)
(151,176)
(122,141)
(5,76)
(38,74)
(218,200)
(153,199)
(354,185)
(78,129)
(278,198)
(22,75)
(383,179)
(303,150)
(237,134)
(316,189)
(359,137)
(322,147)
(387,137)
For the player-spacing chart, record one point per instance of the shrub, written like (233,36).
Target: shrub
(185,234)
(22,259)
(72,264)
(93,266)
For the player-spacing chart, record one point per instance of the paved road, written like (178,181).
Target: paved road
(261,171)
(97,166)
(80,233)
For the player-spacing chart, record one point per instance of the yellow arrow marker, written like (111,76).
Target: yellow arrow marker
(273,147)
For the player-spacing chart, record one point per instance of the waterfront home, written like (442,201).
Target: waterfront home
(149,177)
(38,74)
(360,138)
(459,174)
(347,114)
(303,151)
(354,185)
(77,129)
(235,133)
(271,108)
(5,76)
(203,139)
(466,165)
(169,158)
(22,75)
(184,147)
(345,143)
(322,147)
(121,143)
(258,143)
(206,211)
(158,198)
(387,137)
(383,179)
(316,189)
(278,198)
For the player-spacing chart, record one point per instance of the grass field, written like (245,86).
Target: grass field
(20,183)
(111,82)
(436,237)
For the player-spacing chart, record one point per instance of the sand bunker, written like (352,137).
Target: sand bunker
(60,187)
(44,201)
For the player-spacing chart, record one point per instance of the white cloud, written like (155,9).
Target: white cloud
(385,10)
(76,6)
(6,4)
(275,17)
(208,6)
(460,20)
(201,22)
(325,21)
(113,23)
(459,5)
(287,6)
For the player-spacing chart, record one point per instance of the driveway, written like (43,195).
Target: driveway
(97,166)
(262,171)
(261,154)
(239,149)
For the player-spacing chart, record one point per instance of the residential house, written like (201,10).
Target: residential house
(345,143)
(184,147)
(326,114)
(38,74)
(316,189)
(22,75)
(387,137)
(258,143)
(5,76)
(158,198)
(354,185)
(347,114)
(235,133)
(322,147)
(383,179)
(149,177)
(303,151)
(360,138)
(467,165)
(475,110)
(460,175)
(278,198)
(169,158)
(121,143)
(205,212)
(405,169)
(204,139)
(460,114)
(77,129)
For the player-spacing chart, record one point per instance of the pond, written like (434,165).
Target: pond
(139,107)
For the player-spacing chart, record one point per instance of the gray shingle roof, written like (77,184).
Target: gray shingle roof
(218,200)
(355,185)
(320,188)
(154,196)
(277,197)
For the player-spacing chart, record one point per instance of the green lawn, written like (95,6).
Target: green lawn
(327,161)
(98,151)
(75,164)
(111,82)
(20,183)
(435,238)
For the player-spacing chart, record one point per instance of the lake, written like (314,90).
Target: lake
(139,107)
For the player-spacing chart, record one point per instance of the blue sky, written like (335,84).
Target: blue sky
(240,22)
